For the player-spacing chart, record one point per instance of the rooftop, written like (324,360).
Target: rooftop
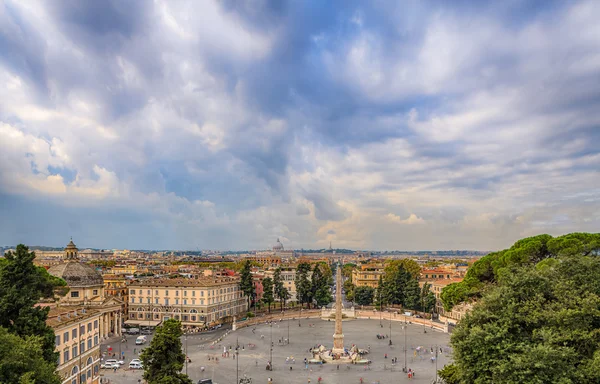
(201,282)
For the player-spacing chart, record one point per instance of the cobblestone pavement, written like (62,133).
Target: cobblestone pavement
(253,360)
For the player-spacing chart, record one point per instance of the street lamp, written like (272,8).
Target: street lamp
(237,359)
(405,345)
(271,349)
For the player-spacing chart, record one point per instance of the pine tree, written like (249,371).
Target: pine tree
(280,291)
(268,298)
(303,284)
(246,283)
(164,359)
(21,286)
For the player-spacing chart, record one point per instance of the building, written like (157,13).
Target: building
(196,302)
(86,291)
(265,259)
(288,276)
(77,341)
(117,286)
(367,275)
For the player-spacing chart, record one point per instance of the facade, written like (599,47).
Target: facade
(117,286)
(367,275)
(196,302)
(265,259)
(77,341)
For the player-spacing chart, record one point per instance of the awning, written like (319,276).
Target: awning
(193,324)
(143,323)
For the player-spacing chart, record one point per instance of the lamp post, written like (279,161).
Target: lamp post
(288,338)
(237,359)
(405,346)
(271,349)
(436,359)
(186,355)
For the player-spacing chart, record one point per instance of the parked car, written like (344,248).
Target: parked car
(133,331)
(134,365)
(205,381)
(135,361)
(141,340)
(146,331)
(114,361)
(110,366)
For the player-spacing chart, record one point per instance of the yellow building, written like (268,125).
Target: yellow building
(367,275)
(77,341)
(196,302)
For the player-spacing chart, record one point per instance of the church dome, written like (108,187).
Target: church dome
(77,274)
(278,246)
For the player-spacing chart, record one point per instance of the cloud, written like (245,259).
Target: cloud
(228,124)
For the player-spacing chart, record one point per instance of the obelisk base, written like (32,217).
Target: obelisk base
(338,344)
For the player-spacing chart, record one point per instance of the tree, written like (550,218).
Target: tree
(349,289)
(534,321)
(246,282)
(22,360)
(320,284)
(22,284)
(303,284)
(427,299)
(281,292)
(164,359)
(268,292)
(364,295)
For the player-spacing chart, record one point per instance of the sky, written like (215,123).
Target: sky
(382,125)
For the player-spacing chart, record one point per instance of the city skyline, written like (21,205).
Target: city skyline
(225,125)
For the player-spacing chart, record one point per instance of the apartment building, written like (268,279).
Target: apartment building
(195,302)
(367,275)
(288,276)
(77,341)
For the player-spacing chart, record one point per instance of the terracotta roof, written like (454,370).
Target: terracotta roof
(60,316)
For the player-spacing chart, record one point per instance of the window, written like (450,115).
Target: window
(89,327)
(193,293)
(82,347)
(184,301)
(166,292)
(95,324)
(184,293)
(193,318)
(66,356)
(74,351)
(74,293)
(89,373)
(148,292)
(133,291)
(66,337)
(176,293)
(74,333)
(193,301)
(176,301)
(133,300)
(147,300)
(57,340)
(155,301)
(185,318)
(156,292)
(82,330)
(166,301)
(95,292)
(140,300)
(89,342)
(201,301)
(96,340)
(201,293)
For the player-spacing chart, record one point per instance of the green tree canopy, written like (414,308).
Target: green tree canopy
(528,251)
(364,295)
(280,291)
(22,284)
(22,360)
(303,284)
(268,297)
(163,360)
(246,283)
(534,324)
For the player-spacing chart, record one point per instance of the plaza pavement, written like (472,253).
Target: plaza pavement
(252,361)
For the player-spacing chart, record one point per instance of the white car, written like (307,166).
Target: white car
(115,361)
(135,365)
(135,361)
(110,365)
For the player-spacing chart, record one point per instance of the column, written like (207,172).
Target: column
(119,321)
(105,319)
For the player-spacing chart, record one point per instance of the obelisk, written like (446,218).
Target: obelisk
(338,336)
